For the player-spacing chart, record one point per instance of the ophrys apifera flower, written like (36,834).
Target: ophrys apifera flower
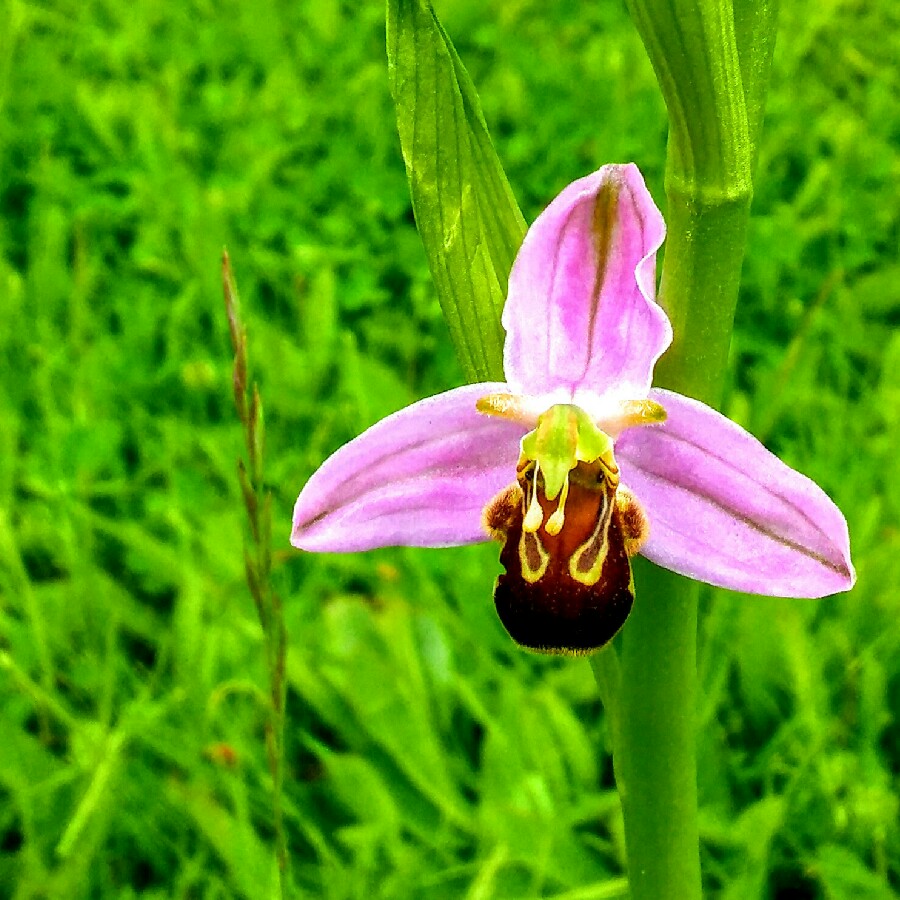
(575,462)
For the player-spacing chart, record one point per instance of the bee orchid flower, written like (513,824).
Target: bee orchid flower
(575,462)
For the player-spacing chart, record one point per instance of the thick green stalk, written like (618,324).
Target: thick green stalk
(712,62)
(656,765)
(656,724)
(657,697)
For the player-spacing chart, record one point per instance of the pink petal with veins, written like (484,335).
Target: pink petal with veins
(419,478)
(581,311)
(725,510)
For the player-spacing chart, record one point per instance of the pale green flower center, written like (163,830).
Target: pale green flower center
(565,435)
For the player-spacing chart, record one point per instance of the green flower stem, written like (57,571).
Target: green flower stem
(656,764)
(651,694)
(712,60)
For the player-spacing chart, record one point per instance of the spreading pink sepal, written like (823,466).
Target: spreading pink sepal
(581,311)
(725,510)
(419,478)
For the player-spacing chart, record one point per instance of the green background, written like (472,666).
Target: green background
(426,756)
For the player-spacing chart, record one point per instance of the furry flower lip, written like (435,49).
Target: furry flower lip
(575,462)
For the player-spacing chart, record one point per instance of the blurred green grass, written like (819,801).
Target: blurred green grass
(427,756)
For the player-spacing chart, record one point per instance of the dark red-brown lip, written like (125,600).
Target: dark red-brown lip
(557,613)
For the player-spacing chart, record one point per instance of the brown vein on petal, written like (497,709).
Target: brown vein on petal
(746,520)
(347,491)
(603,226)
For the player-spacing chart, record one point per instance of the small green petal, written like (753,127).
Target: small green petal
(593,444)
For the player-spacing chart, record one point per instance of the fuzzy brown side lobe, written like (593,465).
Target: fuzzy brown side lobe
(500,514)
(635,526)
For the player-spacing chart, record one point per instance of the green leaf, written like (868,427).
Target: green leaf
(467,216)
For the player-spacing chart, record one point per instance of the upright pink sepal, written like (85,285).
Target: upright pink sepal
(581,314)
(725,510)
(419,478)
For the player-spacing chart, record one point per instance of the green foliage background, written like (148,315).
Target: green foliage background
(426,755)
